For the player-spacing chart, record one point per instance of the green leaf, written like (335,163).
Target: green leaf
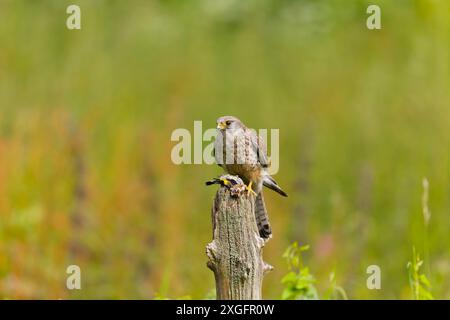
(291,277)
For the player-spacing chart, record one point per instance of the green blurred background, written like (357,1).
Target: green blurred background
(86,118)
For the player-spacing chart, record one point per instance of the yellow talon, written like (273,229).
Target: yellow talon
(249,188)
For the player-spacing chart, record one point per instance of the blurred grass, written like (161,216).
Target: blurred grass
(86,118)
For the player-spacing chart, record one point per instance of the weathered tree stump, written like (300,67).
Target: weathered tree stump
(235,254)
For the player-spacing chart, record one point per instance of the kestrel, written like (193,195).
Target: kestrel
(240,151)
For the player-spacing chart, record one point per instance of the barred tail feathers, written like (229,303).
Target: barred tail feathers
(262,218)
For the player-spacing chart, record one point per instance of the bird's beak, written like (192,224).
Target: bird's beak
(221,126)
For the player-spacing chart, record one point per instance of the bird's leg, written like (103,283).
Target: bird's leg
(249,188)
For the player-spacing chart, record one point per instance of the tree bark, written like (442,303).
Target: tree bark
(235,254)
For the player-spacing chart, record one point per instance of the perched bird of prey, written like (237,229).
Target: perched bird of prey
(240,151)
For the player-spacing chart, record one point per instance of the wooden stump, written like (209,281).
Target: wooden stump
(235,254)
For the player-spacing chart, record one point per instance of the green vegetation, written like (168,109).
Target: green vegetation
(420,286)
(86,118)
(299,283)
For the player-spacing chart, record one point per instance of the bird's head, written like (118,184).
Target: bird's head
(229,123)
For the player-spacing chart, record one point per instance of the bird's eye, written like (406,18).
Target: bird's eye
(228,122)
